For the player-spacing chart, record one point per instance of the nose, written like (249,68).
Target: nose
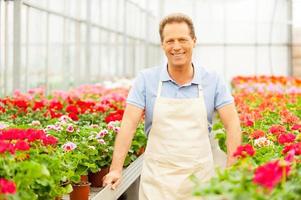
(176,45)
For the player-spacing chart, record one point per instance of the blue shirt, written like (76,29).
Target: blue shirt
(144,91)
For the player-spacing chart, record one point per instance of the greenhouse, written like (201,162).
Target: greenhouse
(150,100)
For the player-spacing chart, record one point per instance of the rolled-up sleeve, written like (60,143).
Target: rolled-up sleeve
(137,92)
(222,94)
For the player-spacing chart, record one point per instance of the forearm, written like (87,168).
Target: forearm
(234,138)
(231,123)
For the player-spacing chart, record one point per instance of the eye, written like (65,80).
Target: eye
(169,41)
(183,40)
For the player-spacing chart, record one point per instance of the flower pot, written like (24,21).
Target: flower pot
(141,151)
(84,178)
(80,191)
(96,178)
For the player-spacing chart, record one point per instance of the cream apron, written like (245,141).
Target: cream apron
(178,146)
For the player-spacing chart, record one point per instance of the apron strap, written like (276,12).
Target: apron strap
(159,89)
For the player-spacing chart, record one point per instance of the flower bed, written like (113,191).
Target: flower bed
(268,165)
(49,142)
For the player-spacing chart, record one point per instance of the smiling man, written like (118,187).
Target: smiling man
(179,100)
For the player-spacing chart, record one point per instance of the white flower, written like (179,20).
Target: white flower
(101,141)
(69,146)
(35,123)
(94,126)
(91,137)
(64,119)
(58,127)
(50,127)
(262,142)
(92,147)
(3,126)
(116,129)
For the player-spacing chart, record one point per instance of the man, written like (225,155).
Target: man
(178,99)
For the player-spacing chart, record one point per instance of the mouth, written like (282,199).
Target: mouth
(178,54)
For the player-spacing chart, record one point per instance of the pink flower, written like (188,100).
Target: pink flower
(293,147)
(116,129)
(102,133)
(270,174)
(7,187)
(296,127)
(286,138)
(70,129)
(244,150)
(69,146)
(249,123)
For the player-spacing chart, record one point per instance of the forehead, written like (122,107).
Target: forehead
(176,29)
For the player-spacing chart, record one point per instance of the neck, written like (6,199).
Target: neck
(182,74)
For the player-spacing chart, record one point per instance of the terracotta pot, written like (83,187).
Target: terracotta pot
(141,151)
(96,178)
(84,178)
(80,191)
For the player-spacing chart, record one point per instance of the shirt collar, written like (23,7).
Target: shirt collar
(197,78)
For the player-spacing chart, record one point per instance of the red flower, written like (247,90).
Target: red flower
(22,145)
(3,146)
(54,114)
(277,129)
(114,116)
(50,140)
(56,105)
(22,104)
(286,138)
(249,123)
(244,150)
(33,135)
(7,187)
(38,105)
(72,109)
(270,174)
(73,116)
(6,146)
(2,109)
(257,134)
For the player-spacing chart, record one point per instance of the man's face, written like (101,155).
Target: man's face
(178,44)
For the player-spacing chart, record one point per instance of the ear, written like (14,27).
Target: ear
(194,42)
(162,45)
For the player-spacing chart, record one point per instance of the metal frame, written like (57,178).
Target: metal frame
(290,37)
(111,32)
(17,44)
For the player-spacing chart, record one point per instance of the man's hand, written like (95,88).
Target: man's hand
(113,178)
